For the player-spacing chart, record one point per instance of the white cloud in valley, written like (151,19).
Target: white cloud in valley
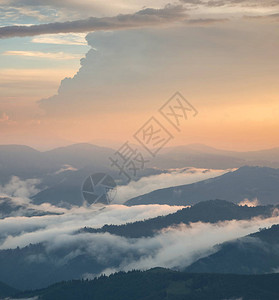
(170,178)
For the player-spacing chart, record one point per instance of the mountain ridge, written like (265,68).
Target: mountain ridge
(211,211)
(163,284)
(256,253)
(244,183)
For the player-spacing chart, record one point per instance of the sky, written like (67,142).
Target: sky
(95,71)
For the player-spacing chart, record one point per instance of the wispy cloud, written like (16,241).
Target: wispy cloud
(171,178)
(21,231)
(269,17)
(62,8)
(250,203)
(8,76)
(180,246)
(61,39)
(206,21)
(47,55)
(145,17)
(20,188)
(13,13)
(31,84)
(248,3)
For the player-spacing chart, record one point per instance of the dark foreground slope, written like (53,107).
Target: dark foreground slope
(6,291)
(163,284)
(257,253)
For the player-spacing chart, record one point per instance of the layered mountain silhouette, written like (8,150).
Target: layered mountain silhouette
(63,170)
(202,156)
(26,162)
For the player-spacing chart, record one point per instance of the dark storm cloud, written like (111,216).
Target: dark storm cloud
(142,18)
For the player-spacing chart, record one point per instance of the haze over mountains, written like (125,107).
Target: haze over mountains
(26,162)
(193,220)
(61,171)
(202,156)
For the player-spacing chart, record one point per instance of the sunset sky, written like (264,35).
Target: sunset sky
(96,71)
